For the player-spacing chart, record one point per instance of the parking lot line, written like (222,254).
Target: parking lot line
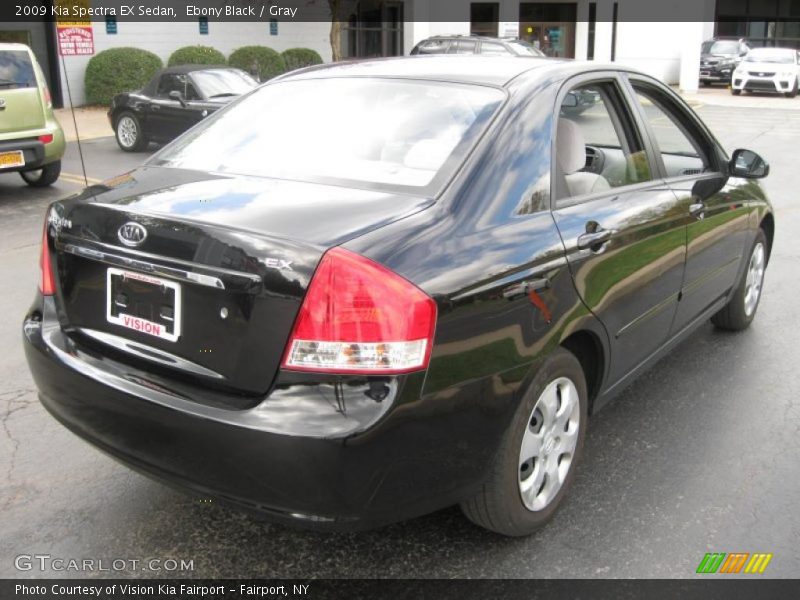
(73,178)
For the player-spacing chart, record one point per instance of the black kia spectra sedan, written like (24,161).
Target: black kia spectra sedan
(413,294)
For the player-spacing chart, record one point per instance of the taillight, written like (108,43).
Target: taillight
(47,284)
(48,99)
(47,138)
(360,317)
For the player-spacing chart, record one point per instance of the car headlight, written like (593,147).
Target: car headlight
(786,74)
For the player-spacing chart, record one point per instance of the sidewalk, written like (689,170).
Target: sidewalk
(92,123)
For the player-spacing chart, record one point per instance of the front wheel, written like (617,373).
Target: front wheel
(43,177)
(735,92)
(129,133)
(536,461)
(740,310)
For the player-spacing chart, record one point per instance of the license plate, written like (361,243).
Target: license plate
(145,304)
(12,159)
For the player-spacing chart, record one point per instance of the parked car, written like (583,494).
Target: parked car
(774,70)
(398,299)
(718,59)
(176,99)
(31,139)
(474,44)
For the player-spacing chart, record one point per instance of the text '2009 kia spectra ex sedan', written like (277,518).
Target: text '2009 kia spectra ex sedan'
(413,294)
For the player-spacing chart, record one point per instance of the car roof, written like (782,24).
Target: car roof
(465,68)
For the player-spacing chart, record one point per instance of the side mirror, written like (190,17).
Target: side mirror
(747,164)
(176,95)
(570,100)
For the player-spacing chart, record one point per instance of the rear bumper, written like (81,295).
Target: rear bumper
(36,153)
(305,460)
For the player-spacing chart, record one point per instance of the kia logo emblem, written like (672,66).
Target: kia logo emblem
(132,234)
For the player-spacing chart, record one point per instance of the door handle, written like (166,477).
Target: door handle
(697,210)
(594,240)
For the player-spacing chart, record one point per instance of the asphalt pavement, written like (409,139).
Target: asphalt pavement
(701,454)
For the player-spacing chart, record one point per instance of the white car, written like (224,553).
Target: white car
(768,70)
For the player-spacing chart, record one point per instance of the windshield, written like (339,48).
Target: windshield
(16,69)
(772,55)
(721,47)
(376,131)
(223,82)
(524,48)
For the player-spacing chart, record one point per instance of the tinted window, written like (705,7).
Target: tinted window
(524,48)
(603,135)
(16,69)
(493,49)
(433,47)
(388,133)
(462,47)
(681,152)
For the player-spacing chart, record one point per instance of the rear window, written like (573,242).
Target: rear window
(16,69)
(364,132)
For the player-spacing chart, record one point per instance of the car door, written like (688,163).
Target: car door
(693,166)
(167,117)
(622,227)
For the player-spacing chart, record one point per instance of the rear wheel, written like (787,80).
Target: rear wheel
(129,133)
(536,461)
(741,308)
(43,177)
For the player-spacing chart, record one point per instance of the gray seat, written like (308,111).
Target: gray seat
(571,154)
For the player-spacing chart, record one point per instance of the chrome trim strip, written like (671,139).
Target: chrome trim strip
(252,277)
(165,358)
(131,263)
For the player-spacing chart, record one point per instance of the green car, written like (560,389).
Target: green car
(31,140)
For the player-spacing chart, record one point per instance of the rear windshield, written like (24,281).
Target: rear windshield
(16,69)
(383,133)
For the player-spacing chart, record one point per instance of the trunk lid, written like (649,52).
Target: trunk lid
(223,266)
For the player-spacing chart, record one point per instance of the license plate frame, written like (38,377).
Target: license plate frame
(171,296)
(19,155)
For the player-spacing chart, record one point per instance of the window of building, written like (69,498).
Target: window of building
(374,29)
(484,17)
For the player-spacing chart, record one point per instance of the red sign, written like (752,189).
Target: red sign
(75,40)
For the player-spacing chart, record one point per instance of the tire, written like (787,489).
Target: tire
(705,83)
(741,309)
(500,506)
(735,92)
(793,92)
(129,133)
(43,177)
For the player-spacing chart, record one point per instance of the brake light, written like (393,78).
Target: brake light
(360,317)
(47,284)
(46,138)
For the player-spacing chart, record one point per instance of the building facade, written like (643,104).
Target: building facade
(621,31)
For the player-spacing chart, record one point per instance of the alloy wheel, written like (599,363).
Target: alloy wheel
(755,278)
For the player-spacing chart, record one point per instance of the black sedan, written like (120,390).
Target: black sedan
(410,295)
(176,99)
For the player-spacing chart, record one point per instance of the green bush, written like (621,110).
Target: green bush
(259,61)
(297,58)
(196,55)
(118,70)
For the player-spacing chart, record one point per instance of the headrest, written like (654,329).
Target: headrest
(570,147)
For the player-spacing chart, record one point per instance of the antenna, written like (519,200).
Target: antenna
(74,120)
